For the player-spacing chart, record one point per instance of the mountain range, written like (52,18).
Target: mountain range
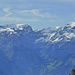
(24,51)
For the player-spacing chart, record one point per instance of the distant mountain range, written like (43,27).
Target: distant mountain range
(24,51)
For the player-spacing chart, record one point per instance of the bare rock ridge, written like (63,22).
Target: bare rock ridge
(72,72)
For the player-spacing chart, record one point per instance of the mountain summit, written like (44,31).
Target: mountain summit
(13,28)
(70,25)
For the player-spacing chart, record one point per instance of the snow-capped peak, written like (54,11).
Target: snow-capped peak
(57,27)
(23,27)
(69,26)
(20,26)
(13,27)
(72,24)
(7,30)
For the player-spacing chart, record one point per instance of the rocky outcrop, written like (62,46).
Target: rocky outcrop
(72,72)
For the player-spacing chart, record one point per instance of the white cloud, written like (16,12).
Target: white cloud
(25,15)
(7,11)
(8,17)
(35,13)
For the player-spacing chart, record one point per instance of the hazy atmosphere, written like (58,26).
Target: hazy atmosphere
(37,13)
(37,37)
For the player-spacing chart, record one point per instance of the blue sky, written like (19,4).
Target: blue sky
(37,13)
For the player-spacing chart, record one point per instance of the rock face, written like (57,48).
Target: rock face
(24,51)
(72,72)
